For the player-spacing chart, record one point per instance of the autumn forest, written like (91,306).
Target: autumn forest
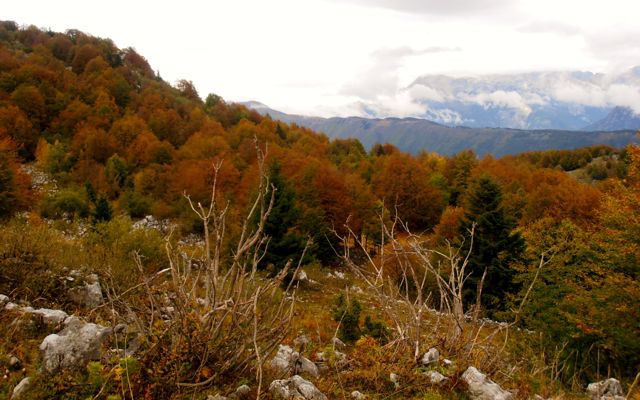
(92,139)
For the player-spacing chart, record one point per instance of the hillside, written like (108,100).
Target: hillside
(158,245)
(414,135)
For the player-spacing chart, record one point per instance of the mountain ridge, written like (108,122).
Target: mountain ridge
(415,135)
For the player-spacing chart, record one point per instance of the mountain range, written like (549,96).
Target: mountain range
(572,100)
(415,134)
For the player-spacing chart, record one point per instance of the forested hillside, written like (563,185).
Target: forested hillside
(92,139)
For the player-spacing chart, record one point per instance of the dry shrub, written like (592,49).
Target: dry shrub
(214,320)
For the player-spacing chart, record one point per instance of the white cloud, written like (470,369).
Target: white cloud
(500,98)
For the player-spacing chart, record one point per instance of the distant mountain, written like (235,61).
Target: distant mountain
(567,100)
(619,118)
(414,135)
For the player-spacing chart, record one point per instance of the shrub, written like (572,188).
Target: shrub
(346,312)
(67,203)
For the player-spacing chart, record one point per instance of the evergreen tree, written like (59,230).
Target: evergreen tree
(495,246)
(103,211)
(281,225)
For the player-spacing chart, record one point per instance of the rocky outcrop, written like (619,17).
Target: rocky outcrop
(430,356)
(77,344)
(295,388)
(89,295)
(608,389)
(289,361)
(483,388)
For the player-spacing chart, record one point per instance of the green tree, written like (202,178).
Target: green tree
(495,245)
(285,241)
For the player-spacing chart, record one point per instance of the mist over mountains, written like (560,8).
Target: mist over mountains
(414,135)
(538,100)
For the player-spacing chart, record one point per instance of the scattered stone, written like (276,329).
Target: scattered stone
(338,357)
(282,359)
(339,275)
(89,295)
(357,395)
(3,300)
(483,388)
(287,360)
(337,343)
(76,345)
(430,356)
(14,363)
(242,393)
(394,378)
(608,389)
(301,276)
(20,388)
(447,362)
(216,397)
(295,388)
(435,377)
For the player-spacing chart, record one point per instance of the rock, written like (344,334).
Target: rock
(11,306)
(74,346)
(608,389)
(89,295)
(483,388)
(282,360)
(20,388)
(301,342)
(338,344)
(216,397)
(435,377)
(295,388)
(49,317)
(430,356)
(394,378)
(301,276)
(287,360)
(357,395)
(3,300)
(447,362)
(14,363)
(304,365)
(242,393)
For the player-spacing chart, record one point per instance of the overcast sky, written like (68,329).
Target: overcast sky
(319,57)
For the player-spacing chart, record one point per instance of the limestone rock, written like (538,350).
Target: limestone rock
(295,388)
(483,388)
(242,393)
(74,346)
(393,377)
(49,317)
(435,377)
(338,344)
(3,300)
(357,395)
(608,389)
(216,397)
(14,363)
(89,295)
(20,388)
(430,356)
(287,360)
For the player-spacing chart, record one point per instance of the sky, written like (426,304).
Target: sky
(328,57)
